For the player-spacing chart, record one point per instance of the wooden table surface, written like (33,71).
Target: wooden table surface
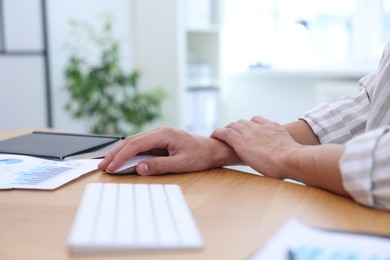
(236,213)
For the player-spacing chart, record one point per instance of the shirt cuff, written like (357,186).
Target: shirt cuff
(331,130)
(363,171)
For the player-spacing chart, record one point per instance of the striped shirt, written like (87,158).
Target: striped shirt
(362,124)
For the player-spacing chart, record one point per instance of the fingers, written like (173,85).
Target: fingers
(260,120)
(229,134)
(117,154)
(268,124)
(161,142)
(232,131)
(224,134)
(110,155)
(131,146)
(114,151)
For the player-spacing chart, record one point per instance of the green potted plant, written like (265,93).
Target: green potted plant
(103,94)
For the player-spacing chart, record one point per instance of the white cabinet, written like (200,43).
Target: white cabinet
(202,32)
(177,46)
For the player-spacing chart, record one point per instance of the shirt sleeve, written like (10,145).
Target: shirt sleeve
(365,168)
(339,121)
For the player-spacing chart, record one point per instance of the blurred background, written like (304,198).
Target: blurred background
(217,60)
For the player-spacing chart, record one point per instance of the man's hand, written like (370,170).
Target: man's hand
(260,143)
(268,148)
(178,151)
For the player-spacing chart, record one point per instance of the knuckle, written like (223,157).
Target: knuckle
(171,131)
(128,139)
(165,129)
(223,132)
(232,124)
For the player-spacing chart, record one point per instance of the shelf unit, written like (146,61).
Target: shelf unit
(202,64)
(182,35)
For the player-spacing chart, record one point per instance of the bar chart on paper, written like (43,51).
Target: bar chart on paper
(39,174)
(25,172)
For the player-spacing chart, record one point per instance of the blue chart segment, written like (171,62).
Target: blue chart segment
(318,253)
(39,174)
(10,161)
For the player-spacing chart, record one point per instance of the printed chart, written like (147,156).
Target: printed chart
(25,172)
(39,174)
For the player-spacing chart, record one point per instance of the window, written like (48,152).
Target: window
(305,33)
(386,20)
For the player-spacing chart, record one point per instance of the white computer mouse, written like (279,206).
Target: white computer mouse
(129,166)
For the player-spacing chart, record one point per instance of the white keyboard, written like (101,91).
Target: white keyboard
(128,217)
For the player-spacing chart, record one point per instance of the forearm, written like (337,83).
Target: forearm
(274,151)
(312,164)
(316,166)
(302,133)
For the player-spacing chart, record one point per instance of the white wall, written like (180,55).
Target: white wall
(59,15)
(22,81)
(159,46)
(283,96)
(22,93)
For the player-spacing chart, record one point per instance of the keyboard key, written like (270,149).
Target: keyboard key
(125,223)
(165,225)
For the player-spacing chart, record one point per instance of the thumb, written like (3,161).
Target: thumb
(158,165)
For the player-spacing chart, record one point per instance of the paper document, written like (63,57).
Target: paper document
(295,241)
(25,172)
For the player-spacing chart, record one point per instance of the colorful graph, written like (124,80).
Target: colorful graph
(26,172)
(39,174)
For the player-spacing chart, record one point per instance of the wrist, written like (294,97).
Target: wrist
(317,166)
(220,153)
(293,163)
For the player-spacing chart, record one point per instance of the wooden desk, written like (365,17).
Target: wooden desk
(236,213)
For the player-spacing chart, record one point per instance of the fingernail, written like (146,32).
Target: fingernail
(108,167)
(143,168)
